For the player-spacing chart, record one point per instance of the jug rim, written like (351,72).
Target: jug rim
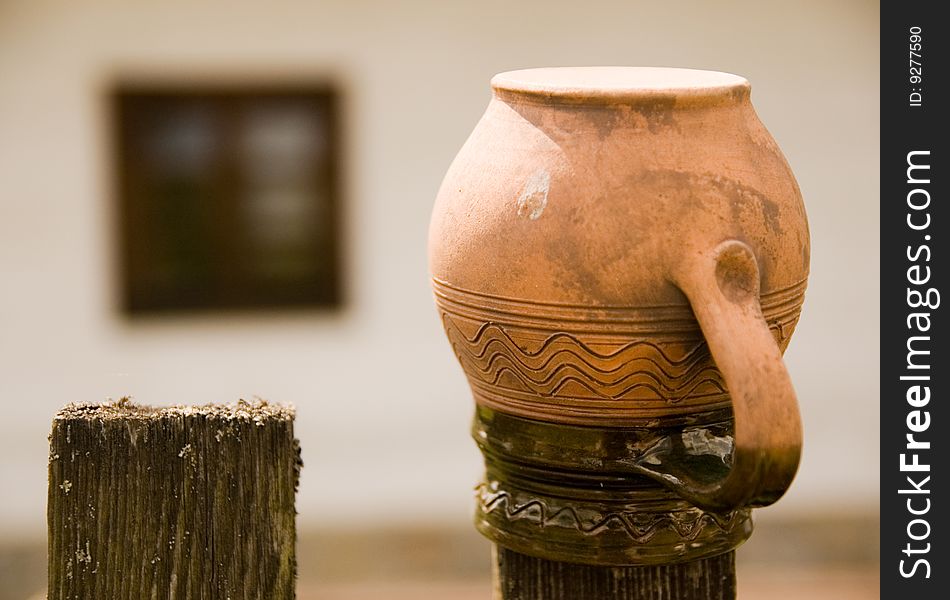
(619,85)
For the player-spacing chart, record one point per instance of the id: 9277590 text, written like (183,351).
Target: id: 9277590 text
(916,77)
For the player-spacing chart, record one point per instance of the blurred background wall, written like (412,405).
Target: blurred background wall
(383,409)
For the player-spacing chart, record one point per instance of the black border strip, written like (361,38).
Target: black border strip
(915,373)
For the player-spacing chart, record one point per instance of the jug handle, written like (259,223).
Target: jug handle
(722,286)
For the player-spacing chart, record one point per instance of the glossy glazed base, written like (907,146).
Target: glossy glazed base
(582,495)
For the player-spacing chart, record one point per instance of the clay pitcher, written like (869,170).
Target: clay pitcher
(622,253)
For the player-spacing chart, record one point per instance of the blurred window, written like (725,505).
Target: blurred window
(228,198)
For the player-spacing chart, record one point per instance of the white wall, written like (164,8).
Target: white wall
(383,408)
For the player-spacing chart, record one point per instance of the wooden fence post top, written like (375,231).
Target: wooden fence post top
(257,411)
(173,501)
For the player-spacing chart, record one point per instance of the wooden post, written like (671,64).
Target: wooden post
(178,502)
(522,577)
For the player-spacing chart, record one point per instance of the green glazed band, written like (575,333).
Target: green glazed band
(585,494)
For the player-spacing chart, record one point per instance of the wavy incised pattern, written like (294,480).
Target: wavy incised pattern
(583,364)
(640,526)
(564,365)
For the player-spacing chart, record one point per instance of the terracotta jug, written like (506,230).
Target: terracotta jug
(622,253)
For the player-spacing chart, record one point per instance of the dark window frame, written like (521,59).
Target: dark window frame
(228,283)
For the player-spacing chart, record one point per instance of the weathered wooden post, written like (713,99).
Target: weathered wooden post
(173,502)
(522,576)
(619,258)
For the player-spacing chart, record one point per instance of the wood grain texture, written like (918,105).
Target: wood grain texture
(522,577)
(172,503)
